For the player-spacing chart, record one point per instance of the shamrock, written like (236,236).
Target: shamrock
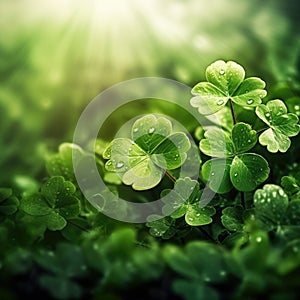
(282,126)
(230,165)
(142,160)
(184,200)
(226,81)
(53,205)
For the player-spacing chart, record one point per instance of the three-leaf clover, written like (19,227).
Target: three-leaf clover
(184,200)
(226,81)
(282,126)
(231,166)
(142,160)
(54,204)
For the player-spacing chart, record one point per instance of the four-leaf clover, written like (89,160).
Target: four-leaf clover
(225,81)
(142,160)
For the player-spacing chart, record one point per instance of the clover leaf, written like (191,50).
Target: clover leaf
(61,163)
(291,186)
(184,200)
(225,81)
(232,167)
(232,218)
(8,202)
(54,204)
(282,126)
(142,160)
(161,227)
(271,204)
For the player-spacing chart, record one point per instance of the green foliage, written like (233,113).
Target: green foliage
(242,243)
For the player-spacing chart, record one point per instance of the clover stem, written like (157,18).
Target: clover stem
(170,176)
(232,112)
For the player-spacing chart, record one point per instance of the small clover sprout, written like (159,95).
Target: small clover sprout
(142,160)
(226,81)
(282,126)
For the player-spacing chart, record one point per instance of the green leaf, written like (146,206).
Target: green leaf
(55,203)
(243,137)
(192,290)
(225,76)
(250,92)
(217,173)
(163,227)
(282,126)
(271,204)
(217,143)
(290,185)
(248,171)
(142,161)
(199,216)
(293,212)
(185,200)
(225,80)
(185,191)
(8,202)
(232,218)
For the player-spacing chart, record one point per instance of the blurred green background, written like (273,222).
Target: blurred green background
(57,55)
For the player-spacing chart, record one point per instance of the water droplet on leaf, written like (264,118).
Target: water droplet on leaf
(222,72)
(268,115)
(258,239)
(250,101)
(135,130)
(151,130)
(120,164)
(220,102)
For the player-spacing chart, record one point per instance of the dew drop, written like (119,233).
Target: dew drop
(222,72)
(274,194)
(198,215)
(151,130)
(258,239)
(191,219)
(120,164)
(213,174)
(268,115)
(281,192)
(235,174)
(135,130)
(250,101)
(297,107)
(220,102)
